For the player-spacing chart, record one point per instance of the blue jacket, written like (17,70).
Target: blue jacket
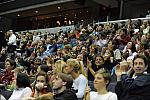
(133,89)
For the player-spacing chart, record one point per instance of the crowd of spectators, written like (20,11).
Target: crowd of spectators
(112,59)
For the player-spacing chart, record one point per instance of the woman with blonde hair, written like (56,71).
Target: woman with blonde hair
(83,70)
(80,81)
(59,66)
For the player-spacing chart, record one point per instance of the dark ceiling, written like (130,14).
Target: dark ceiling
(22,8)
(28,8)
(6,5)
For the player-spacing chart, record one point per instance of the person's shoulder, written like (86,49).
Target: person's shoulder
(69,94)
(112,95)
(27,89)
(82,76)
(93,93)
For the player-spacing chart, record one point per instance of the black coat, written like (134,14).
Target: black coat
(2,40)
(66,95)
(134,89)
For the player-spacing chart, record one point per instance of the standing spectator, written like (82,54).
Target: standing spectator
(2,40)
(3,55)
(11,41)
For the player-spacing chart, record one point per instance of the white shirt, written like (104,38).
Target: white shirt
(108,96)
(2,97)
(19,94)
(12,40)
(79,84)
(36,38)
(100,42)
(117,54)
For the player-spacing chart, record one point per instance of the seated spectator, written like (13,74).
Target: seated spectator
(130,47)
(101,81)
(94,66)
(80,81)
(34,65)
(41,86)
(7,75)
(62,85)
(23,88)
(43,52)
(136,84)
(43,68)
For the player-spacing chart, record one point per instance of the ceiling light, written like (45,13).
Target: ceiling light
(18,15)
(58,7)
(36,11)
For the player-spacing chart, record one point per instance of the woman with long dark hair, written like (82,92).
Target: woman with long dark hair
(41,86)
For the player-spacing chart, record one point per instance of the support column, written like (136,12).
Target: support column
(121,8)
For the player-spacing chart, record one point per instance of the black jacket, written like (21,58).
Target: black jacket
(66,95)
(134,89)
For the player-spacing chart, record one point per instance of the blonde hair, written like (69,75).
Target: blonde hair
(74,64)
(77,66)
(82,71)
(106,74)
(60,65)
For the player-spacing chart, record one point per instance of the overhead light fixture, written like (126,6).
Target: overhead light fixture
(58,7)
(36,11)
(18,15)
